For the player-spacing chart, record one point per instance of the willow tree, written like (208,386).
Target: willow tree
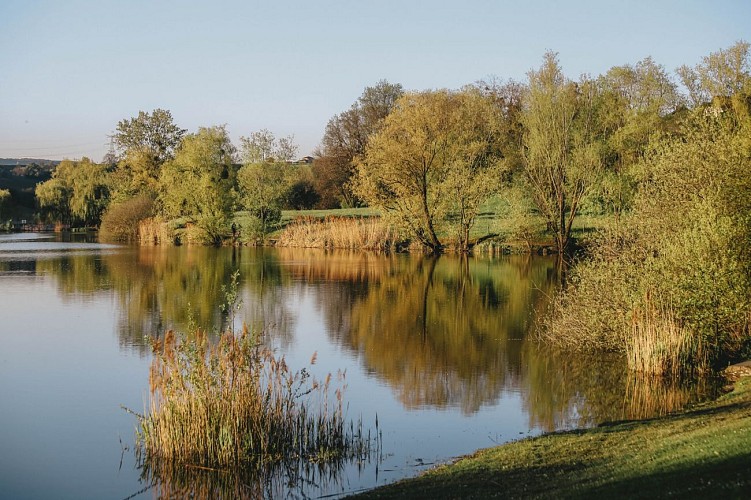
(432,164)
(561,157)
(77,193)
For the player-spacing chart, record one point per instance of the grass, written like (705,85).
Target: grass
(233,404)
(704,452)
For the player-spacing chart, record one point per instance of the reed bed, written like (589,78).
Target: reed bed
(235,404)
(155,231)
(367,233)
(659,345)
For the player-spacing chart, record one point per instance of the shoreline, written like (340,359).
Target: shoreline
(702,451)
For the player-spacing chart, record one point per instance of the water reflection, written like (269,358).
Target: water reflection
(448,332)
(299,479)
(562,390)
(442,332)
(438,348)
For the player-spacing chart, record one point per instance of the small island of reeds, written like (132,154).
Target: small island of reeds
(231,405)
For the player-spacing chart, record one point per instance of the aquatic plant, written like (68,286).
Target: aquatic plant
(233,403)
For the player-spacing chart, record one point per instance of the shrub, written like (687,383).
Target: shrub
(670,284)
(121,220)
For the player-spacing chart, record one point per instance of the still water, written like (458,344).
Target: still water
(438,349)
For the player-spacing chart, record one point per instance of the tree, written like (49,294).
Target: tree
(432,163)
(199,182)
(78,192)
(143,144)
(560,156)
(265,178)
(154,132)
(346,138)
(634,103)
(4,198)
(262,190)
(264,147)
(720,74)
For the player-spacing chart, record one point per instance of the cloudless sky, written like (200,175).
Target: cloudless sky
(71,69)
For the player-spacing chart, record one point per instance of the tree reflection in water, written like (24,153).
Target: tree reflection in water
(441,332)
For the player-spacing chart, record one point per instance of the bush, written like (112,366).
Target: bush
(121,220)
(677,270)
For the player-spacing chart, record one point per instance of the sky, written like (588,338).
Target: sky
(70,70)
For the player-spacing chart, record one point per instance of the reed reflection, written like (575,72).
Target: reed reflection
(565,390)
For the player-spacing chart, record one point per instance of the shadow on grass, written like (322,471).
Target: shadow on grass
(703,453)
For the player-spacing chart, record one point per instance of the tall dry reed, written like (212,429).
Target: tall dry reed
(155,231)
(659,345)
(234,403)
(368,233)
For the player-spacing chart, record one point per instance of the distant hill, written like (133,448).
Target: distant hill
(27,161)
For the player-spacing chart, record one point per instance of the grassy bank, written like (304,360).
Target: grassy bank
(704,452)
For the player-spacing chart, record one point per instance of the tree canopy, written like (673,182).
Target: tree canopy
(199,183)
(432,163)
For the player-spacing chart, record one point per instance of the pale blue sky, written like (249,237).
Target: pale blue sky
(71,69)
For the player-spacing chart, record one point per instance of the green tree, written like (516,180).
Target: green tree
(4,199)
(144,143)
(724,73)
(78,192)
(264,179)
(561,156)
(635,101)
(263,147)
(262,190)
(433,162)
(198,183)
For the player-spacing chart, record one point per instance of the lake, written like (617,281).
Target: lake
(439,349)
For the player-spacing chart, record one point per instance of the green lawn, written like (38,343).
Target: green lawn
(704,452)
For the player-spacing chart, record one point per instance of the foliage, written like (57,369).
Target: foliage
(262,190)
(121,220)
(265,181)
(263,147)
(78,192)
(153,133)
(144,143)
(561,156)
(4,198)
(345,139)
(199,183)
(432,164)
(235,404)
(723,73)
(679,262)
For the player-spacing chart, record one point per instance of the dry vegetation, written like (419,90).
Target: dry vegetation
(235,404)
(339,232)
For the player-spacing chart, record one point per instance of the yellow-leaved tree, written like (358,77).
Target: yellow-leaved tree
(434,161)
